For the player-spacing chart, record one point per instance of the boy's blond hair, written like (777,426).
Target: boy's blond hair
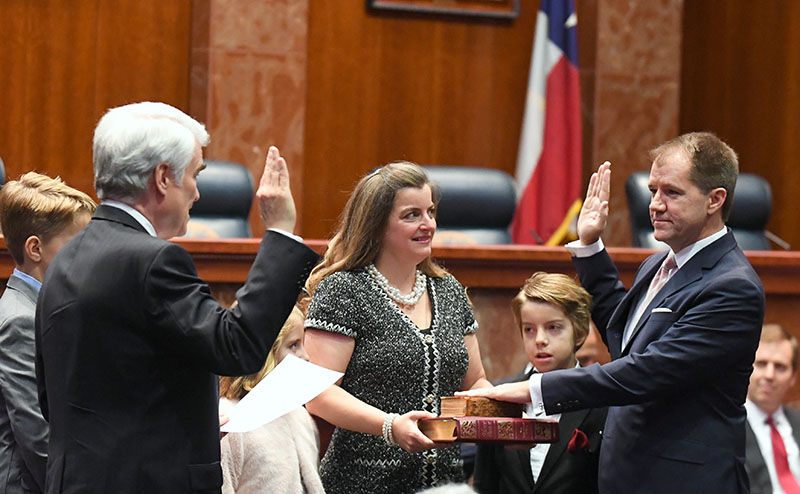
(36,204)
(561,291)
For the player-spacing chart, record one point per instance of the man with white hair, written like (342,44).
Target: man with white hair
(129,339)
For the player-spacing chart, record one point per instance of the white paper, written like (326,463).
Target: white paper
(292,383)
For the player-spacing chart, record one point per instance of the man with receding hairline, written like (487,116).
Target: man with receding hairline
(682,339)
(773,430)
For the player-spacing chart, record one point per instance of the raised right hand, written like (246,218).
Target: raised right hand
(408,436)
(594,213)
(274,196)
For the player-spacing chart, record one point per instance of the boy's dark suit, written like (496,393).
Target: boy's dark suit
(681,382)
(756,468)
(502,470)
(129,345)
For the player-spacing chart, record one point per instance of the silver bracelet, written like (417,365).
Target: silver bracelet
(386,430)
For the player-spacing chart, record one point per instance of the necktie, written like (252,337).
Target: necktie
(661,277)
(666,270)
(785,477)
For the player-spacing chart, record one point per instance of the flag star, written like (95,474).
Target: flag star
(571,21)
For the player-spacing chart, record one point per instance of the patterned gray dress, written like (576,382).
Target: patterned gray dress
(395,367)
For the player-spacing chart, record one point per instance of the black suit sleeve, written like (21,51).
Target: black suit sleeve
(234,341)
(39,366)
(600,277)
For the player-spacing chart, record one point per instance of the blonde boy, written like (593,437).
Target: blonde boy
(552,312)
(38,215)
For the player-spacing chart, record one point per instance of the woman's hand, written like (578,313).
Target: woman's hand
(408,436)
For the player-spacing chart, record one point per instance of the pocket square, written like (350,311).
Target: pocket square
(661,309)
(578,442)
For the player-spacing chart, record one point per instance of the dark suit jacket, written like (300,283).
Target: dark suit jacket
(501,470)
(756,468)
(129,345)
(23,430)
(678,388)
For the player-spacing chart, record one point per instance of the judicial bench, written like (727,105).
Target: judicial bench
(493,274)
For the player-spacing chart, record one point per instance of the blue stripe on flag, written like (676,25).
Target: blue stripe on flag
(558,11)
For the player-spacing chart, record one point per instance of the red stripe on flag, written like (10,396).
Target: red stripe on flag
(555,184)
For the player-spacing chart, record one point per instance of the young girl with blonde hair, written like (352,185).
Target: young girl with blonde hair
(283,455)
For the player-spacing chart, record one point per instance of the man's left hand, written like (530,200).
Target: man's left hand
(515,392)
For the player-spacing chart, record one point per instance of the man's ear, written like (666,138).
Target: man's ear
(33,249)
(716,199)
(162,176)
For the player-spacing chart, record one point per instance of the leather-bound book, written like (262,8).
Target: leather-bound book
(475,406)
(489,429)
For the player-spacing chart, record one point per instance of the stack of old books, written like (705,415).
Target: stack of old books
(476,420)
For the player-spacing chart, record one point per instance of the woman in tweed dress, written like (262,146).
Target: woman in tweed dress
(402,331)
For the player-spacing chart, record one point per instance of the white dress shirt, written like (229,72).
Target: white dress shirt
(139,217)
(539,451)
(758,422)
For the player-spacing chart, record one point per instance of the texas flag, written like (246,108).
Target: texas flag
(549,160)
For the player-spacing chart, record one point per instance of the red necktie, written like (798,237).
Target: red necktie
(785,477)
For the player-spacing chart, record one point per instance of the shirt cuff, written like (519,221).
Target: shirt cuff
(577,249)
(535,388)
(284,232)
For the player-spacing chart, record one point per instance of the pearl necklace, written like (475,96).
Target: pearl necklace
(395,294)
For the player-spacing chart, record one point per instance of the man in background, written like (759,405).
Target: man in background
(38,215)
(773,431)
(129,339)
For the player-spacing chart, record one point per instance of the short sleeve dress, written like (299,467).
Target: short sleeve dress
(396,367)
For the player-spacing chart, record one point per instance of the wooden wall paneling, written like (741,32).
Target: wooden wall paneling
(741,80)
(143,53)
(199,84)
(14,26)
(787,180)
(637,93)
(587,56)
(48,108)
(248,83)
(338,91)
(65,63)
(434,90)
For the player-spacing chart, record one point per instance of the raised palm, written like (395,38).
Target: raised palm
(274,194)
(594,213)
